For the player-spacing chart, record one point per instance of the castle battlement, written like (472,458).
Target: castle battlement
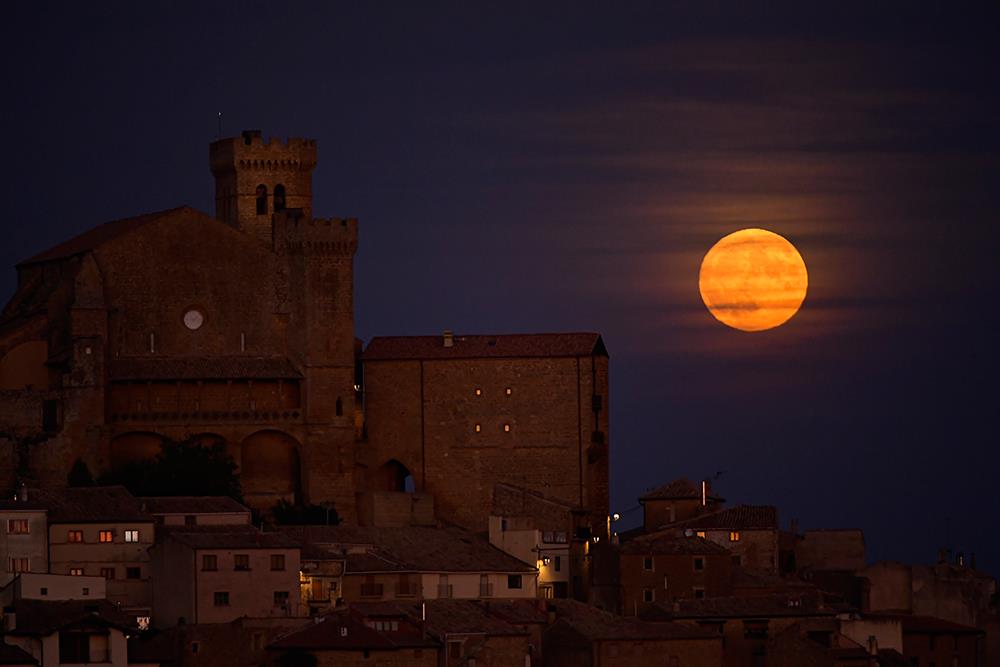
(315,236)
(250,152)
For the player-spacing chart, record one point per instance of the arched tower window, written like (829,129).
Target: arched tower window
(279,197)
(262,199)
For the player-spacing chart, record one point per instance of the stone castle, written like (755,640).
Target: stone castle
(239,329)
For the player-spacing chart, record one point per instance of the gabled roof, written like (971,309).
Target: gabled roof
(549,513)
(777,605)
(92,504)
(486,346)
(109,231)
(202,368)
(741,517)
(40,618)
(679,489)
(192,505)
(598,625)
(669,543)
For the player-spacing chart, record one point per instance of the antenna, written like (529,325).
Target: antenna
(219,135)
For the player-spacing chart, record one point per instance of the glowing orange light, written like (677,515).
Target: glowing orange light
(753,280)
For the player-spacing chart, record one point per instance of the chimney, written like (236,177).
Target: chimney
(960,561)
(449,338)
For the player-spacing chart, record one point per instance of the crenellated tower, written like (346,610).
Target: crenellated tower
(255,179)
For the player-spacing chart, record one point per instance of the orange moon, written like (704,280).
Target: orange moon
(753,280)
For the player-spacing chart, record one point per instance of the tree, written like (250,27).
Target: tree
(186,468)
(79,474)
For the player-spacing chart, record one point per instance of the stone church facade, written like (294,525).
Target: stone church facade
(239,329)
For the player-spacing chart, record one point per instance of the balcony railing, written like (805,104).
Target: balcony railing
(444,590)
(371,590)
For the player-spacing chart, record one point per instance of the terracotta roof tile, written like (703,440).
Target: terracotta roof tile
(669,543)
(446,616)
(90,504)
(596,624)
(741,517)
(236,536)
(345,631)
(679,489)
(757,606)
(109,231)
(202,368)
(486,346)
(930,625)
(549,513)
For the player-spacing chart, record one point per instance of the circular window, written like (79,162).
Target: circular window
(193,319)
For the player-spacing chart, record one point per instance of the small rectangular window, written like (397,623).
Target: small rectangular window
(647,563)
(513,581)
(478,428)
(106,536)
(506,428)
(209,563)
(648,595)
(699,593)
(17,526)
(221,598)
(74,536)
(76,571)
(699,564)
(108,572)
(17,565)
(734,536)
(277,562)
(133,573)
(478,391)
(280,598)
(508,391)
(241,562)
(131,535)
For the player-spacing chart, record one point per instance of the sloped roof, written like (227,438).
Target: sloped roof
(550,513)
(741,517)
(450,616)
(236,536)
(596,624)
(486,346)
(109,231)
(191,505)
(669,543)
(679,489)
(345,631)
(202,368)
(40,618)
(92,504)
(15,655)
(412,549)
(757,606)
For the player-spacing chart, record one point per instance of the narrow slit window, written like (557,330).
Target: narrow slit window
(279,197)
(262,199)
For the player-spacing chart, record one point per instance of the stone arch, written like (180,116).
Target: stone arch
(23,367)
(393,476)
(134,447)
(270,469)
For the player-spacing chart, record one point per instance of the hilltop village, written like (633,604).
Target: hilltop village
(455,487)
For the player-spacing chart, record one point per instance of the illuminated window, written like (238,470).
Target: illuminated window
(108,572)
(479,392)
(506,428)
(76,571)
(74,536)
(734,536)
(478,427)
(106,536)
(209,563)
(17,526)
(648,595)
(241,562)
(647,563)
(701,534)
(142,622)
(131,535)
(508,391)
(699,564)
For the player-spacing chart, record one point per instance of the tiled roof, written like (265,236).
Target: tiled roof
(757,606)
(595,624)
(741,517)
(486,346)
(39,618)
(549,513)
(679,489)
(109,231)
(345,631)
(191,505)
(666,543)
(520,612)
(92,504)
(202,368)
(446,616)
(414,548)
(236,536)
(15,655)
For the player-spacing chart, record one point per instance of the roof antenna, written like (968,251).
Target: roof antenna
(219,135)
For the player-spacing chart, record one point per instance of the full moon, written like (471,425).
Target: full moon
(753,280)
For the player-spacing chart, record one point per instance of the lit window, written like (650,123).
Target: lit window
(131,535)
(479,392)
(734,536)
(648,595)
(106,536)
(76,571)
(142,622)
(508,391)
(74,536)
(701,534)
(506,428)
(665,583)
(478,427)
(17,526)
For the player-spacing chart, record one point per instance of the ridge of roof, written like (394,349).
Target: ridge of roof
(478,346)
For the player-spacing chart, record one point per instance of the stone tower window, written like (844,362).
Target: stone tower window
(340,407)
(279,197)
(262,199)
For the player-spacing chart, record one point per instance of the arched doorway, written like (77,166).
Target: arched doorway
(270,469)
(393,476)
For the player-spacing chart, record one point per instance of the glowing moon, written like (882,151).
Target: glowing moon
(753,280)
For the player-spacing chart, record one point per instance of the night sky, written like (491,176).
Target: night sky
(526,168)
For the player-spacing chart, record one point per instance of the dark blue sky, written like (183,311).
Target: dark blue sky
(526,168)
